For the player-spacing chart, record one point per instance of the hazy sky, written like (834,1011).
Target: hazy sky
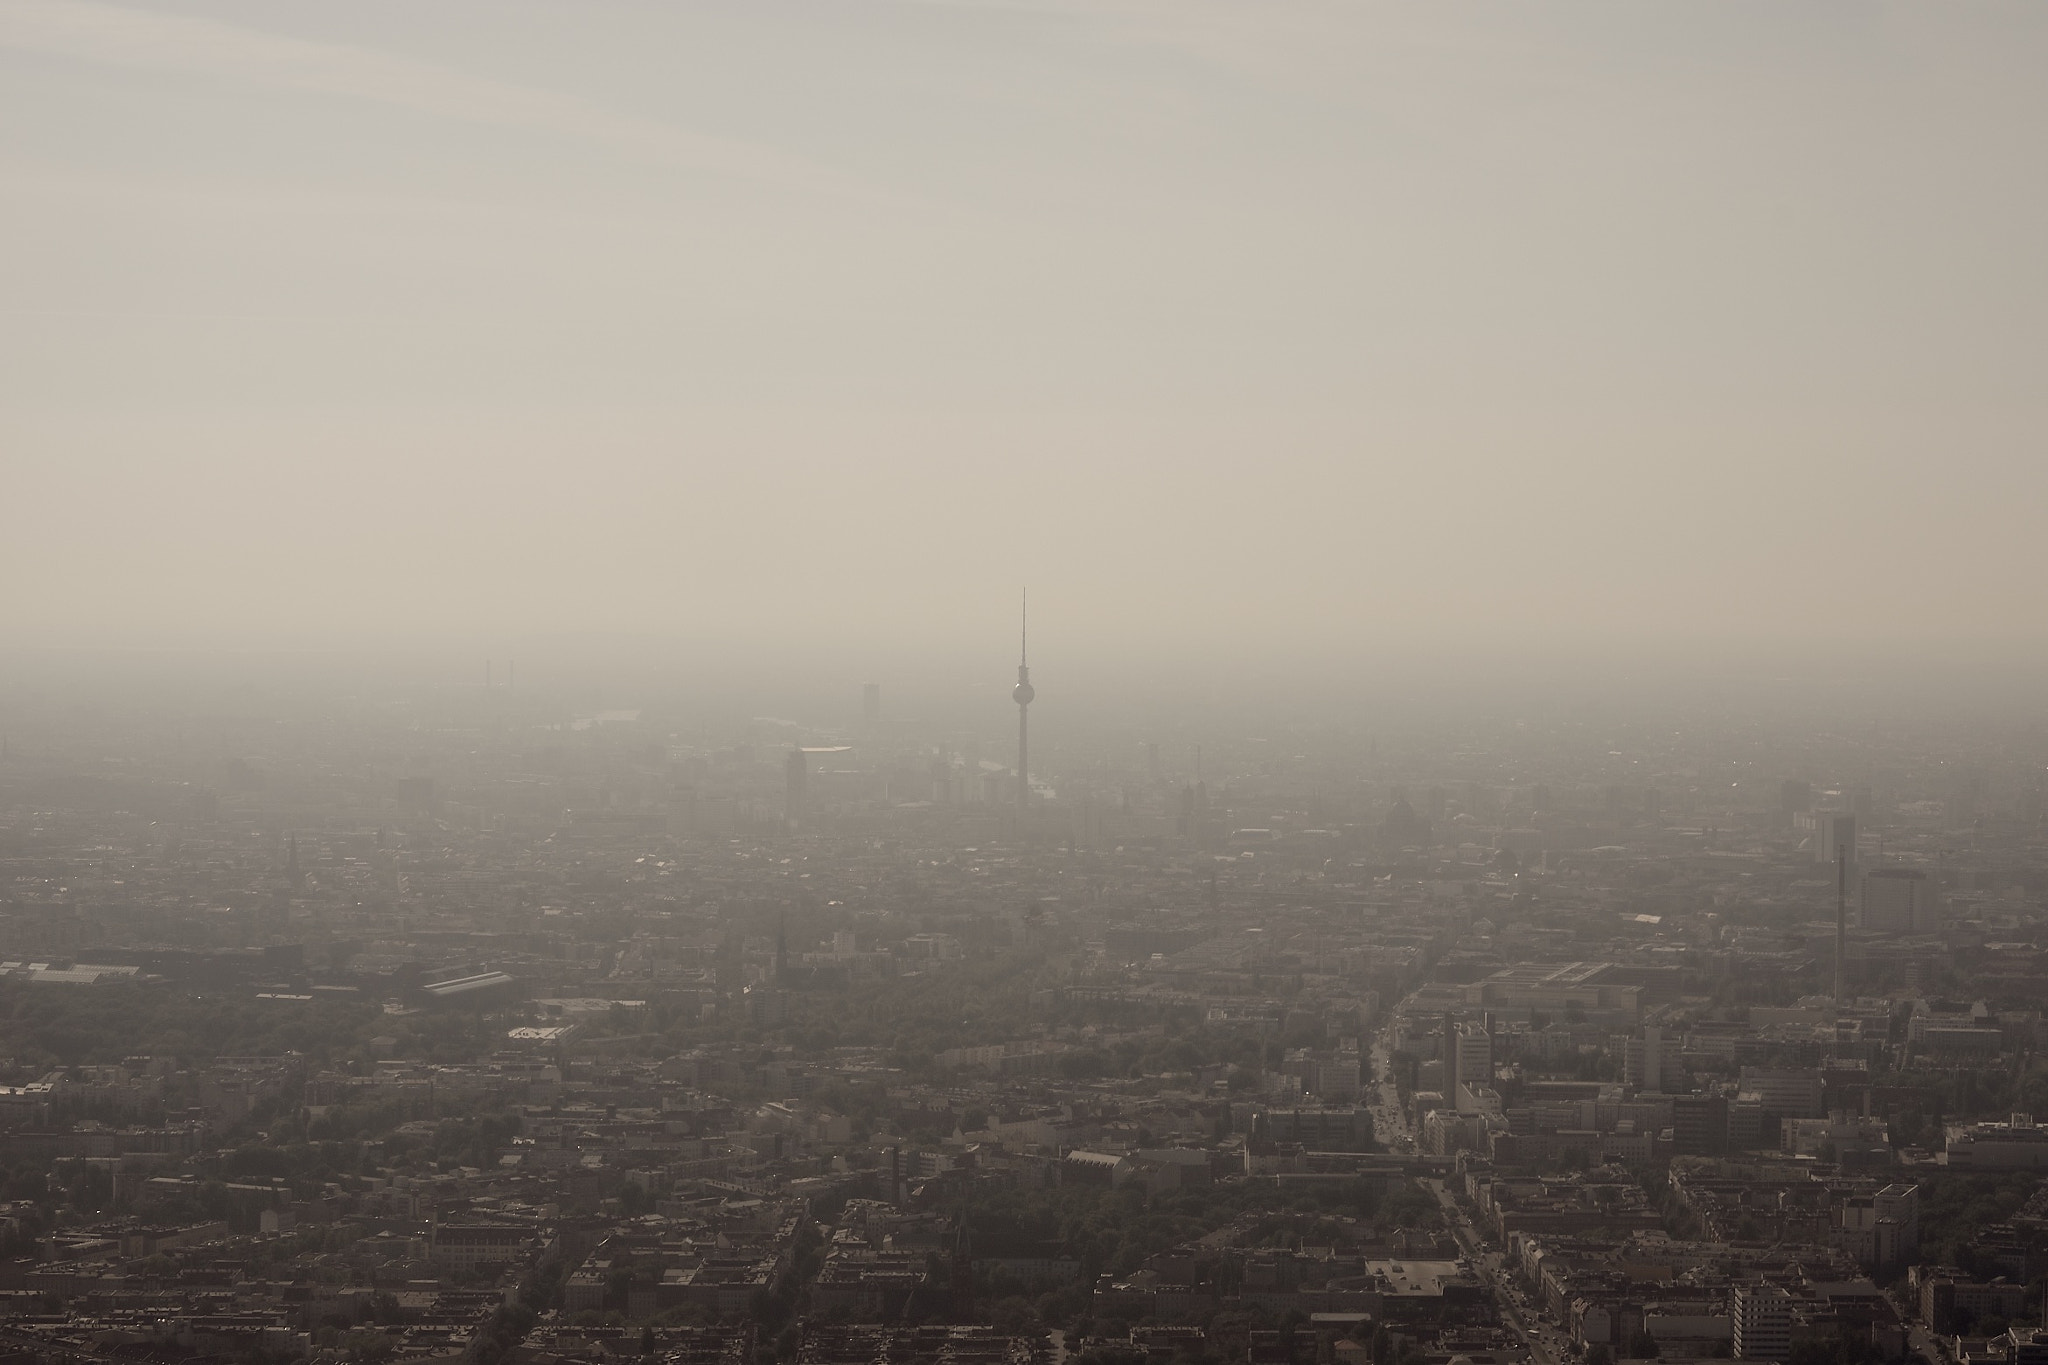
(1271,329)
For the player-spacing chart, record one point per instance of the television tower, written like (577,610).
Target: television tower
(1022,693)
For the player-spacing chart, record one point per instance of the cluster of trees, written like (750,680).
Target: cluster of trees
(982,1000)
(282,1155)
(468,1141)
(539,1290)
(47,1028)
(1844,1348)
(1115,1230)
(1956,1206)
(1293,1336)
(2020,1086)
(1680,1222)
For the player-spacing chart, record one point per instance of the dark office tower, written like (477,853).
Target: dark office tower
(1022,694)
(795,777)
(871,704)
(1642,1062)
(1699,1125)
(1834,831)
(1898,900)
(1472,1050)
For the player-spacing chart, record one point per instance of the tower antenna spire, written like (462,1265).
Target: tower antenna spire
(1024,633)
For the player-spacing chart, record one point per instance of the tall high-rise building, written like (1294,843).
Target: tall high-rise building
(764,1005)
(1474,1054)
(1833,831)
(795,779)
(1022,694)
(1763,1322)
(1882,1230)
(871,704)
(1699,1124)
(1790,1092)
(1643,1060)
(1898,900)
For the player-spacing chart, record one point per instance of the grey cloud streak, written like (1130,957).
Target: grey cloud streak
(86,30)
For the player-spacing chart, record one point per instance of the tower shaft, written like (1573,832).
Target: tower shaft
(1023,756)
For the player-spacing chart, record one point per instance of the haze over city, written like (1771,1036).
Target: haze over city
(1013,682)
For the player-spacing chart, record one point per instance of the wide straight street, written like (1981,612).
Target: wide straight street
(1545,1345)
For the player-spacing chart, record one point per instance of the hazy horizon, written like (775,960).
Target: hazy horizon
(1079,694)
